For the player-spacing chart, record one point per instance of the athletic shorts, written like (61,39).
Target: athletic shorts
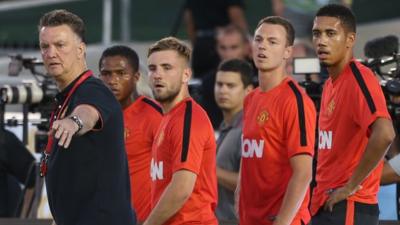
(348,213)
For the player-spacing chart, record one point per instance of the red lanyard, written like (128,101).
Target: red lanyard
(58,112)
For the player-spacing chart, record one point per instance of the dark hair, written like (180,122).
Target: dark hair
(120,50)
(239,66)
(60,17)
(171,43)
(344,14)
(231,29)
(290,34)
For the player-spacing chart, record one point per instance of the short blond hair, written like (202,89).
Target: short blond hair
(171,43)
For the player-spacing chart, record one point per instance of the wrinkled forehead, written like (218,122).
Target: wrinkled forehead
(56,33)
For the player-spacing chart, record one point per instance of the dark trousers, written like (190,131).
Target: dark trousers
(360,214)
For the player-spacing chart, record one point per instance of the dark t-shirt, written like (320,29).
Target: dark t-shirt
(88,182)
(209,14)
(16,167)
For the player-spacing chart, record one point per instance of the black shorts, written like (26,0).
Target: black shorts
(360,214)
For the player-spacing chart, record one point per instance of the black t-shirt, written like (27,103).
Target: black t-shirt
(88,183)
(209,14)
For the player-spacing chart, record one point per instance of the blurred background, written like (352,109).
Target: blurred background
(138,23)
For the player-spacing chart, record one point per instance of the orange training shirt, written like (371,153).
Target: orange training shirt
(349,105)
(141,121)
(278,124)
(185,141)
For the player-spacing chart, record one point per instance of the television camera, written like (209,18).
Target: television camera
(35,96)
(382,58)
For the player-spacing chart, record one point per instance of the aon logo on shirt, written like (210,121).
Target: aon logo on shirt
(325,140)
(252,148)
(156,170)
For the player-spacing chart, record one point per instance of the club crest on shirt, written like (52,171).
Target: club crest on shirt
(262,117)
(331,107)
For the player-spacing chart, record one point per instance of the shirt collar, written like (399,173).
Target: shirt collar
(63,94)
(237,119)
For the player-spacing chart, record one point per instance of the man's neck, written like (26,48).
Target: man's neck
(270,79)
(167,106)
(335,70)
(65,79)
(229,115)
(130,100)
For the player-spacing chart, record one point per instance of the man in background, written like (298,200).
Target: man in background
(119,70)
(203,19)
(232,43)
(233,83)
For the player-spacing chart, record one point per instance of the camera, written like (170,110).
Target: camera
(308,66)
(36,96)
(384,60)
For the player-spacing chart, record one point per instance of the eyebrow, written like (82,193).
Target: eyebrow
(324,30)
(272,39)
(113,70)
(257,36)
(166,64)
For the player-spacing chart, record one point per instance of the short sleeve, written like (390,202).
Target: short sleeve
(369,101)
(299,124)
(94,93)
(190,136)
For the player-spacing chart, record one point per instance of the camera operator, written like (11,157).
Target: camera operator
(380,52)
(16,167)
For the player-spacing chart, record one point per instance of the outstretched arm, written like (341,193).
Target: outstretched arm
(66,128)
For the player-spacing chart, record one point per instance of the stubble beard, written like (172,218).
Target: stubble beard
(167,98)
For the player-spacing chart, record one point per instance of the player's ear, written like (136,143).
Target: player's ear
(288,52)
(187,74)
(81,50)
(350,39)
(136,76)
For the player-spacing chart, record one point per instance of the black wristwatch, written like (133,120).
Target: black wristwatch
(78,122)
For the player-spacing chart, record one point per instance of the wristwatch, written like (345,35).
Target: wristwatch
(78,122)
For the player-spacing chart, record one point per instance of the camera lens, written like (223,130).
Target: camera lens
(20,94)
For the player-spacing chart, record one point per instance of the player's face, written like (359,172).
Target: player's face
(229,91)
(330,40)
(61,50)
(168,73)
(231,46)
(119,76)
(270,49)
